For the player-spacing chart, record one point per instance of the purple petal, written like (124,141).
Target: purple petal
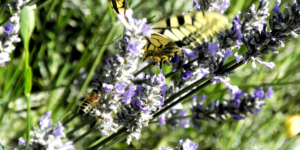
(59,132)
(9,28)
(270,92)
(185,76)
(160,79)
(45,122)
(259,93)
(22,141)
(195,4)
(4,57)
(228,53)
(120,88)
(212,48)
(163,89)
(215,80)
(236,117)
(162,119)
(276,8)
(147,110)
(223,6)
(238,57)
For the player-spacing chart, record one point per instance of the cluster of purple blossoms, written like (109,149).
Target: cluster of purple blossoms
(117,89)
(186,145)
(10,33)
(47,136)
(237,107)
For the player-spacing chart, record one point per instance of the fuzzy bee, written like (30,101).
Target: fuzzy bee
(89,102)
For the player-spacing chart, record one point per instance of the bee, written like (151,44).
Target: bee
(89,102)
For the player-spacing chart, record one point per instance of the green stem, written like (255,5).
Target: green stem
(174,118)
(113,136)
(28,122)
(115,141)
(84,135)
(66,121)
(80,126)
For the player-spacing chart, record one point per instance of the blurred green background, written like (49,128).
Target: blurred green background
(68,51)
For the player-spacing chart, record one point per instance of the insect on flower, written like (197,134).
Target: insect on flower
(89,102)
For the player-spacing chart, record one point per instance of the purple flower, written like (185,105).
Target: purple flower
(120,88)
(160,79)
(162,119)
(270,92)
(203,72)
(107,87)
(238,57)
(184,123)
(276,8)
(188,74)
(59,131)
(161,102)
(212,48)
(195,4)
(175,59)
(268,65)
(133,48)
(260,25)
(188,145)
(237,95)
(236,103)
(259,93)
(162,148)
(163,89)
(189,54)
(147,110)
(45,122)
(236,117)
(128,94)
(203,98)
(237,28)
(227,53)
(138,90)
(215,80)
(4,57)
(109,61)
(147,30)
(22,141)
(8,29)
(126,100)
(195,98)
(223,6)
(139,103)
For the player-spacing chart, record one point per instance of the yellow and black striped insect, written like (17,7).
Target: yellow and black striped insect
(89,102)
(183,31)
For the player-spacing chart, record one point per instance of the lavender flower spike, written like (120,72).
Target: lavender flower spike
(47,136)
(11,31)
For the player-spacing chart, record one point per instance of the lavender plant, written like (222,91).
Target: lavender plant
(47,136)
(10,33)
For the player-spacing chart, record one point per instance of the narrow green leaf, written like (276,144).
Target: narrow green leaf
(28,81)
(27,24)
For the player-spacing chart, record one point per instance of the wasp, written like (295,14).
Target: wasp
(89,102)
